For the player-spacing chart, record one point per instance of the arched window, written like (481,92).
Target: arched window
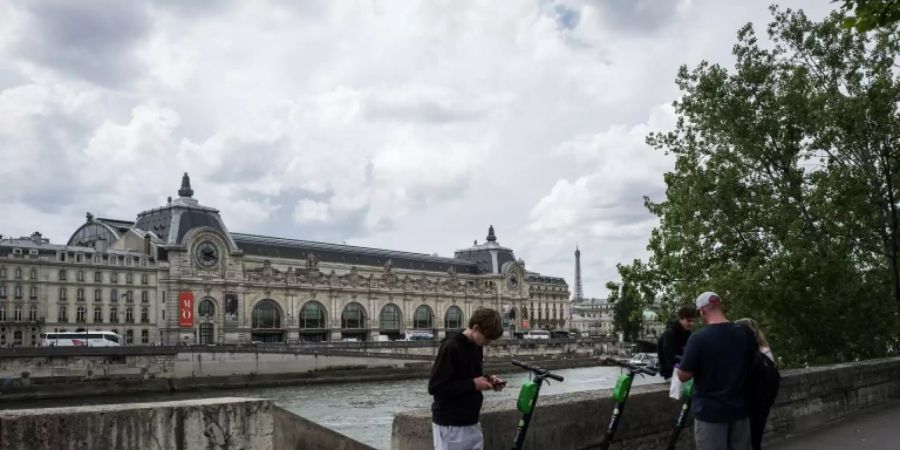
(206,309)
(266,315)
(390,317)
(312,315)
(423,317)
(354,316)
(453,320)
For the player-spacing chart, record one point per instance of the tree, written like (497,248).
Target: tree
(627,311)
(871,14)
(784,196)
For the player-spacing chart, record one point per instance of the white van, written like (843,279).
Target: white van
(537,334)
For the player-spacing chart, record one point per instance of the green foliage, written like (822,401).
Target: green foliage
(627,311)
(870,14)
(783,198)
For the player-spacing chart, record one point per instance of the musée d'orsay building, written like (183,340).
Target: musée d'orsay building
(177,275)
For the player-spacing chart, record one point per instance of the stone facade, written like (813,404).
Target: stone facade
(48,287)
(207,285)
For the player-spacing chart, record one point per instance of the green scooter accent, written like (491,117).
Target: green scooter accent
(528,396)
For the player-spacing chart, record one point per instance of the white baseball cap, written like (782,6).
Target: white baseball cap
(708,298)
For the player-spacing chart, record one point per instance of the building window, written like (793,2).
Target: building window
(206,334)
(113,314)
(390,317)
(62,275)
(18,273)
(98,295)
(129,278)
(17,313)
(266,314)
(98,277)
(80,276)
(145,297)
(453,318)
(129,296)
(129,337)
(17,338)
(98,314)
(2,272)
(62,314)
(18,291)
(113,296)
(33,274)
(353,316)
(3,313)
(79,295)
(2,291)
(144,278)
(145,337)
(80,312)
(129,315)
(32,292)
(114,277)
(206,309)
(145,315)
(312,315)
(32,313)
(423,317)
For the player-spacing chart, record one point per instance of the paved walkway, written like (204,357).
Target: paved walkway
(877,430)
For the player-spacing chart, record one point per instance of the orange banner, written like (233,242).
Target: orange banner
(186,309)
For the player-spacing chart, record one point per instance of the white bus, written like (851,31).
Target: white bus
(80,339)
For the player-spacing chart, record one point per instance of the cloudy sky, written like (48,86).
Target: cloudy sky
(396,124)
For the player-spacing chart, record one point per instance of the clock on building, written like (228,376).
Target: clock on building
(513,281)
(207,255)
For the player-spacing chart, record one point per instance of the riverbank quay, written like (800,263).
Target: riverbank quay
(48,373)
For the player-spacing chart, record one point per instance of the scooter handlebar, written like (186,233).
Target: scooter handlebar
(539,371)
(632,367)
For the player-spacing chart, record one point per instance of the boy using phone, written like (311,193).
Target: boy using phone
(457,381)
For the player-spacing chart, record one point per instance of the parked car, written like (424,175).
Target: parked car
(643,359)
(537,334)
(419,336)
(560,334)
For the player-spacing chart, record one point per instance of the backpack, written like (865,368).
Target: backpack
(763,381)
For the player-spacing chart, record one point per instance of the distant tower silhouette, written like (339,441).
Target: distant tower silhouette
(579,290)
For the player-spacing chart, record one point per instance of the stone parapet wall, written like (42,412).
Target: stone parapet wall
(809,398)
(216,423)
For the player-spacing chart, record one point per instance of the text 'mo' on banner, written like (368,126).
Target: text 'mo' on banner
(186,309)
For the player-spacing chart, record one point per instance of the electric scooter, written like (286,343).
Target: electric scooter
(620,396)
(687,392)
(528,396)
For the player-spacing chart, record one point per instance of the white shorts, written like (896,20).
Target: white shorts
(447,437)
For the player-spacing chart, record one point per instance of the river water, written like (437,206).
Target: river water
(365,411)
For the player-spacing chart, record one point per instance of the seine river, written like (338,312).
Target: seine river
(365,411)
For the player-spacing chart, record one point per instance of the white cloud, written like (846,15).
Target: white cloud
(310,211)
(408,125)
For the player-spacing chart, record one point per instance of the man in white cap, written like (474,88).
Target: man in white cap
(718,359)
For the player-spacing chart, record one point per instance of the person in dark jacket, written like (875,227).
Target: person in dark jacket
(457,381)
(673,340)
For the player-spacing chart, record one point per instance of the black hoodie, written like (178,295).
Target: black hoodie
(456,402)
(673,341)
